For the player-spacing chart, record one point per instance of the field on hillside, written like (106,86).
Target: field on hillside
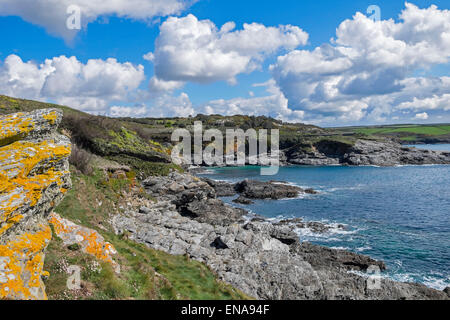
(408,133)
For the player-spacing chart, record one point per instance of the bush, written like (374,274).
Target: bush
(81,159)
(145,169)
(86,129)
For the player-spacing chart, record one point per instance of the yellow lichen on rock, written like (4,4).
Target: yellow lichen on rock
(20,125)
(21,278)
(90,241)
(19,186)
(34,175)
(15,125)
(51,117)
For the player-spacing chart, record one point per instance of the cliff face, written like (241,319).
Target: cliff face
(364,153)
(34,175)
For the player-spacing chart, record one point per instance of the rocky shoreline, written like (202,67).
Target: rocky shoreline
(365,153)
(386,153)
(265,260)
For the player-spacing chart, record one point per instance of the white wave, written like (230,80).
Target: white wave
(416,165)
(341,248)
(307,234)
(435,282)
(205,172)
(357,187)
(438,283)
(300,196)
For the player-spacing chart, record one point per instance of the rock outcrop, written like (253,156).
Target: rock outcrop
(222,188)
(193,198)
(34,176)
(264,260)
(254,189)
(89,241)
(364,152)
(314,226)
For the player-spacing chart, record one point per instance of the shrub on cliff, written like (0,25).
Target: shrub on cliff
(81,159)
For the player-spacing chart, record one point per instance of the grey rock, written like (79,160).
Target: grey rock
(223,189)
(319,256)
(213,211)
(219,244)
(144,210)
(447,291)
(314,226)
(266,190)
(193,198)
(243,200)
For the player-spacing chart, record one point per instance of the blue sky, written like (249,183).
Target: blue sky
(262,80)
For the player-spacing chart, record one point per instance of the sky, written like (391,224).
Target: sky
(329,63)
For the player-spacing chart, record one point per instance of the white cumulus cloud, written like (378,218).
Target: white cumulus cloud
(123,111)
(189,49)
(52,14)
(167,105)
(89,87)
(367,72)
(274,105)
(421,116)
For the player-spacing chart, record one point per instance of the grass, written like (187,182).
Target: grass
(145,273)
(145,168)
(11,105)
(425,130)
(410,138)
(411,133)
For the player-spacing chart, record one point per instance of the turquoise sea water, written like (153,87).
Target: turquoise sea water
(400,215)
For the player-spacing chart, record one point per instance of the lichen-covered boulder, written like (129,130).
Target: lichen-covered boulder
(90,241)
(32,125)
(34,176)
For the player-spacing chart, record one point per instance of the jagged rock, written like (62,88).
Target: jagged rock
(34,176)
(314,226)
(212,211)
(447,291)
(311,191)
(176,188)
(254,189)
(144,210)
(90,241)
(219,244)
(243,200)
(319,256)
(222,188)
(193,197)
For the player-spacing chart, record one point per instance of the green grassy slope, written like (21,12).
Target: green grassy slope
(409,133)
